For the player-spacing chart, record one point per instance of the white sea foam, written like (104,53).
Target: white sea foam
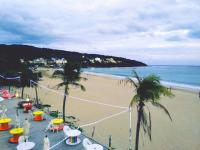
(165,83)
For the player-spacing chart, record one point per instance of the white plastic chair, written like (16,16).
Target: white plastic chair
(66,129)
(22,139)
(49,126)
(52,127)
(55,128)
(86,143)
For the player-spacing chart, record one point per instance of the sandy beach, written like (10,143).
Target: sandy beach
(183,133)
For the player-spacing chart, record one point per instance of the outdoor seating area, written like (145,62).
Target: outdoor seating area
(30,130)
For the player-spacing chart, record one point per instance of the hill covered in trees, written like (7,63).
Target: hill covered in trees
(31,53)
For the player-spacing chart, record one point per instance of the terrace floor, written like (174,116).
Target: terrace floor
(37,131)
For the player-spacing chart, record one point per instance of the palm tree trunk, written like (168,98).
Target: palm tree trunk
(64,102)
(22,92)
(138,125)
(130,129)
(36,96)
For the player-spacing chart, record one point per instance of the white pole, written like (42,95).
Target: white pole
(130,129)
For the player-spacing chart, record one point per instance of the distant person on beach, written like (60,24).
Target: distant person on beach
(199,94)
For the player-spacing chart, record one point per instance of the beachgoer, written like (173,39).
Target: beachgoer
(26,128)
(46,143)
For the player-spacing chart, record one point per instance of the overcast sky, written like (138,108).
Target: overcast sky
(152,31)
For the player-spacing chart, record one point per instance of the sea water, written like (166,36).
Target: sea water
(181,76)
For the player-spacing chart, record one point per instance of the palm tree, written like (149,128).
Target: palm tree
(148,89)
(70,76)
(35,78)
(25,77)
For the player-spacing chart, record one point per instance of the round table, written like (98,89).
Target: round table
(27,107)
(25,146)
(16,132)
(4,124)
(58,123)
(94,147)
(73,137)
(38,115)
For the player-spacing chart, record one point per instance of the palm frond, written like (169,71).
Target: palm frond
(62,84)
(83,78)
(70,117)
(130,80)
(134,100)
(152,78)
(166,92)
(163,108)
(136,76)
(78,85)
(58,73)
(146,123)
(151,89)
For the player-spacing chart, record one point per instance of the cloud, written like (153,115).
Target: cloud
(136,29)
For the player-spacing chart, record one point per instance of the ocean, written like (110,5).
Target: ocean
(176,76)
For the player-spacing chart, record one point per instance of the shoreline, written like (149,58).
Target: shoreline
(176,86)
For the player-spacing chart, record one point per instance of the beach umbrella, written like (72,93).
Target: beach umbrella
(46,143)
(26,127)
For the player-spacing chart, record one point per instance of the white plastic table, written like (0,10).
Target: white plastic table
(72,133)
(73,137)
(94,147)
(25,146)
